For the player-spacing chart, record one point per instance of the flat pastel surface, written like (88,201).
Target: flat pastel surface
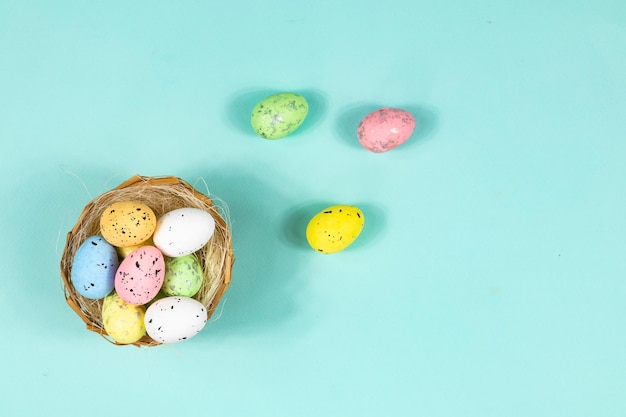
(489,279)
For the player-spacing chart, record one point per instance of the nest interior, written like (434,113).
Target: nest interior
(161,194)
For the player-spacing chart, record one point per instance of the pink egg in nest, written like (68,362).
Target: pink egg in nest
(384,129)
(140,275)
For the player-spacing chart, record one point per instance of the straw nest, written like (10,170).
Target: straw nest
(161,194)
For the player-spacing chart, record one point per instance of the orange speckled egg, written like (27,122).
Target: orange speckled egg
(127,223)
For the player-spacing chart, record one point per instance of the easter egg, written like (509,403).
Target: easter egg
(140,275)
(278,115)
(123,322)
(174,319)
(127,223)
(183,231)
(126,250)
(384,129)
(93,268)
(334,228)
(183,276)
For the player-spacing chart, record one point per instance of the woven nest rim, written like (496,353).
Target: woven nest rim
(161,194)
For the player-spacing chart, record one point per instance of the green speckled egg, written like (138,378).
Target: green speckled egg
(278,115)
(183,276)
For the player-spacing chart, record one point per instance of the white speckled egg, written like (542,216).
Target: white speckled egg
(183,231)
(174,319)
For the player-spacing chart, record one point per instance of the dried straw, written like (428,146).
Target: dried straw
(161,194)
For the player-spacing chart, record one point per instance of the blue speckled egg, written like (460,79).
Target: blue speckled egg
(93,268)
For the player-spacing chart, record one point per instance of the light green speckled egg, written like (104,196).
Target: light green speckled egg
(183,276)
(278,115)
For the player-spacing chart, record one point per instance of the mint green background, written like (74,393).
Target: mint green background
(489,279)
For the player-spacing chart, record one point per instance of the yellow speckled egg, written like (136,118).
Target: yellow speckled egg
(122,321)
(334,228)
(126,250)
(127,223)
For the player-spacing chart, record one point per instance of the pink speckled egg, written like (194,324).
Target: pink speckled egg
(384,129)
(140,275)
